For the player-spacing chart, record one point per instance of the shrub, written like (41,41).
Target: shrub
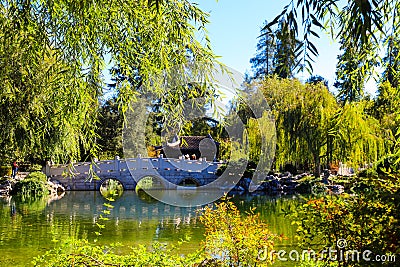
(37,176)
(5,171)
(34,185)
(367,220)
(234,239)
(82,253)
(35,168)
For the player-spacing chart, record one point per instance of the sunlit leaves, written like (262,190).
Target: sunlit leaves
(235,240)
(358,135)
(360,23)
(366,219)
(53,54)
(303,116)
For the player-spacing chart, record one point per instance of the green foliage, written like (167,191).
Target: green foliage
(387,111)
(352,71)
(311,127)
(35,168)
(34,185)
(391,61)
(53,55)
(37,176)
(233,239)
(82,253)
(109,130)
(276,53)
(262,63)
(363,25)
(358,135)
(367,220)
(303,115)
(312,263)
(5,171)
(261,137)
(111,188)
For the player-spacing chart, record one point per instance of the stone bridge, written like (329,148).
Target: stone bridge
(167,172)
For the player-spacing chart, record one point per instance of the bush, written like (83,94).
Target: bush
(236,240)
(34,185)
(5,171)
(81,253)
(367,220)
(37,176)
(35,168)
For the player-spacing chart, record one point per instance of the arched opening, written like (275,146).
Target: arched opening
(150,183)
(189,182)
(111,188)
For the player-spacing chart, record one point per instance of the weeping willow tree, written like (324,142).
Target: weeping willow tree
(261,137)
(53,55)
(46,108)
(358,135)
(303,121)
(386,110)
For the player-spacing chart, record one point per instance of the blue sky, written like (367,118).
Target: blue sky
(234,28)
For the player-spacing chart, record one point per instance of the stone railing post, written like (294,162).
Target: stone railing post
(116,165)
(47,168)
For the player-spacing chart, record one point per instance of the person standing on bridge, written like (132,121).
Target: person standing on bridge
(14,167)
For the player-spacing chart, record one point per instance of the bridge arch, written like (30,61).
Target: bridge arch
(149,182)
(103,180)
(189,182)
(111,187)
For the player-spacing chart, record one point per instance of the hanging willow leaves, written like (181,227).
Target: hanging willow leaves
(303,120)
(53,55)
(362,23)
(313,128)
(358,135)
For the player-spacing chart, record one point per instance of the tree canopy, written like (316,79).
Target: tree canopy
(53,55)
(361,26)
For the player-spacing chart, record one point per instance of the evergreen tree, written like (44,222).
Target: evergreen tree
(391,62)
(275,53)
(315,79)
(285,61)
(349,77)
(262,64)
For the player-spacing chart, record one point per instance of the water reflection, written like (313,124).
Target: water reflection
(28,229)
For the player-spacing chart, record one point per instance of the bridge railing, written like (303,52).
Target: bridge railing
(119,167)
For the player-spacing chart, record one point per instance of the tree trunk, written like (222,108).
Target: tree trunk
(317,162)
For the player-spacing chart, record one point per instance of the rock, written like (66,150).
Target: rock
(54,188)
(5,188)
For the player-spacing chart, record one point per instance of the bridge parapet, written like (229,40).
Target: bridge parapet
(90,175)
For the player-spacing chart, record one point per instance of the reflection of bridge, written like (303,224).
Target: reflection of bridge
(168,172)
(130,206)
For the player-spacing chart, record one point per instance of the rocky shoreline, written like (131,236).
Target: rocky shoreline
(278,183)
(289,184)
(7,186)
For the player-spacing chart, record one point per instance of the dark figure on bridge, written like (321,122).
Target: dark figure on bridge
(14,167)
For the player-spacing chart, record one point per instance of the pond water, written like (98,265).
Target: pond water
(30,229)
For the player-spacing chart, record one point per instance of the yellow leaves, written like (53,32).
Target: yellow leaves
(107,205)
(101,226)
(236,239)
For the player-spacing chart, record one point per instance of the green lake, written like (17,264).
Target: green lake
(30,229)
